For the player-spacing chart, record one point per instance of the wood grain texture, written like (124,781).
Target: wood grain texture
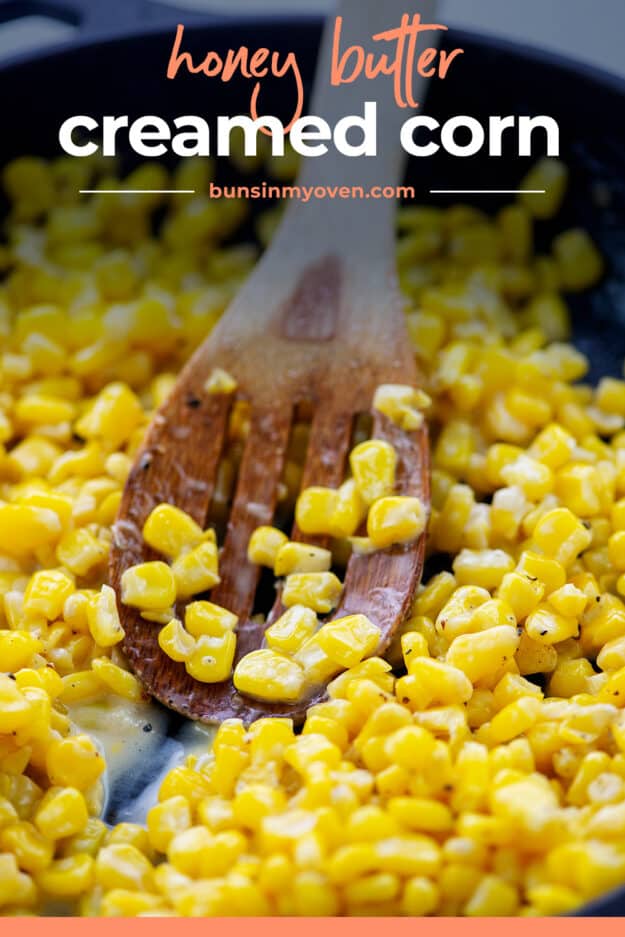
(319,321)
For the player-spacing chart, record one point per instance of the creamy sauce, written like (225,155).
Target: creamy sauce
(141,742)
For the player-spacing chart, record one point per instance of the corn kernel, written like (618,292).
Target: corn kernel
(301,558)
(396,520)
(177,643)
(373,465)
(549,627)
(264,545)
(118,680)
(401,404)
(103,618)
(46,593)
(266,675)
(212,658)
(193,572)
(206,618)
(61,813)
(148,586)
(291,630)
(170,531)
(348,640)
(318,591)
(579,263)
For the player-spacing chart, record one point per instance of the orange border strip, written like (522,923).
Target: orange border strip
(307,927)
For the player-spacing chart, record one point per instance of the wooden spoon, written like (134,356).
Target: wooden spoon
(320,320)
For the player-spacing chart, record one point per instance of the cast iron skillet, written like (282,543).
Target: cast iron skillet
(117,62)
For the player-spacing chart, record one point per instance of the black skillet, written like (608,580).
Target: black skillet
(116,62)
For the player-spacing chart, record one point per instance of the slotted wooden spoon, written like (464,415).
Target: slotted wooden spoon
(321,320)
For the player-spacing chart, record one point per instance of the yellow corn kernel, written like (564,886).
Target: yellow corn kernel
(579,262)
(515,719)
(549,627)
(15,709)
(559,534)
(61,813)
(373,465)
(220,382)
(45,678)
(170,531)
(614,689)
(212,658)
(17,649)
(521,593)
(616,550)
(314,510)
(612,655)
(568,601)
(148,586)
(549,312)
(431,599)
(509,507)
(610,395)
(113,416)
(317,665)
(570,678)
(580,488)
(194,572)
(457,615)
(109,509)
(493,897)
(81,685)
(46,593)
(67,878)
(420,897)
(264,545)
(306,750)
(433,682)
(348,640)
(40,410)
(448,531)
(410,747)
(396,520)
(551,175)
(166,820)
(81,552)
(413,645)
(121,865)
(422,814)
(206,618)
(291,630)
(318,591)
(484,653)
(534,478)
(482,568)
(301,558)
(553,446)
(118,680)
(402,404)
(550,900)
(74,761)
(512,687)
(534,656)
(541,569)
(177,643)
(103,618)
(349,511)
(269,676)
(160,616)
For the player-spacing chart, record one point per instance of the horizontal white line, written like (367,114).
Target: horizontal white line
(137,191)
(488,191)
